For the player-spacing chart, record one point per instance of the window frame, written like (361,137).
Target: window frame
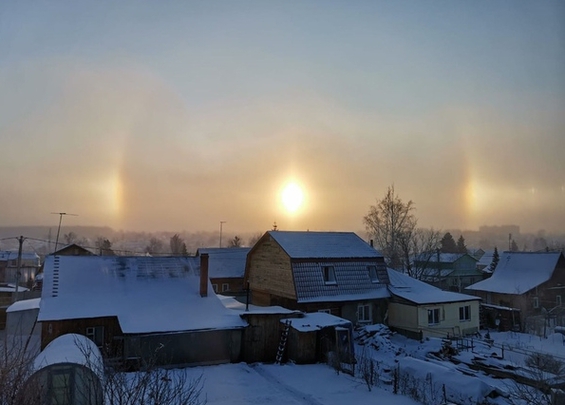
(215,288)
(535,303)
(558,300)
(328,274)
(465,313)
(225,287)
(367,314)
(373,276)
(432,311)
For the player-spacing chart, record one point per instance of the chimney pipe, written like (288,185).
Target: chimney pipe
(204,275)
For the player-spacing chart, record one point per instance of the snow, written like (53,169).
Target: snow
(519,272)
(327,245)
(314,321)
(71,348)
(419,292)
(12,288)
(147,295)
(24,305)
(233,304)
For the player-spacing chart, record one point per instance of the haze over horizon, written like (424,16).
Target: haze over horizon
(145,116)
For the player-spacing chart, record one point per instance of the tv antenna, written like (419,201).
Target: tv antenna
(59,228)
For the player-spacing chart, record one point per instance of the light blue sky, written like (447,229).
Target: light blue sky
(144,115)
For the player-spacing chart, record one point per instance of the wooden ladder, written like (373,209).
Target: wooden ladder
(282,343)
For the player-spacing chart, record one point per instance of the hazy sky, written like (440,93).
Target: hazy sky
(149,115)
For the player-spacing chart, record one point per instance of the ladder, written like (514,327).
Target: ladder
(282,343)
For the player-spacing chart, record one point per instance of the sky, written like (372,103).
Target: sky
(166,116)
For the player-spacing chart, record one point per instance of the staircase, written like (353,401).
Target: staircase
(282,343)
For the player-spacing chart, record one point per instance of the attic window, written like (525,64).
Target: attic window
(329,275)
(373,274)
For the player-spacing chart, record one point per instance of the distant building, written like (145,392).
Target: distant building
(226,268)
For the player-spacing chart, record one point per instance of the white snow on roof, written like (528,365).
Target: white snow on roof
(225,262)
(315,321)
(146,294)
(418,292)
(27,256)
(519,272)
(233,304)
(309,245)
(71,348)
(12,288)
(24,305)
(486,258)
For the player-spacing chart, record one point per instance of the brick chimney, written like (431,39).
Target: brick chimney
(204,275)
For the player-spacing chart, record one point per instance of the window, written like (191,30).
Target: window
(96,334)
(225,287)
(364,313)
(329,275)
(215,287)
(558,300)
(536,302)
(465,313)
(373,274)
(433,316)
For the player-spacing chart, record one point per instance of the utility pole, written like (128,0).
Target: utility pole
(221,225)
(59,228)
(19,267)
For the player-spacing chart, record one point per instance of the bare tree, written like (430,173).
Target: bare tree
(70,237)
(391,223)
(418,247)
(155,246)
(104,246)
(254,239)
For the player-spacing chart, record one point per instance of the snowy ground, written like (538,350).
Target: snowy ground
(320,384)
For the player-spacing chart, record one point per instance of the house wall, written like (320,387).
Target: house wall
(262,337)
(235,285)
(414,319)
(184,348)
(113,343)
(269,272)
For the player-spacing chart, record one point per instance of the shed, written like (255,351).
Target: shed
(68,371)
(22,328)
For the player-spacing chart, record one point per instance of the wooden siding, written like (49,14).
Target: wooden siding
(269,270)
(235,285)
(261,338)
(112,332)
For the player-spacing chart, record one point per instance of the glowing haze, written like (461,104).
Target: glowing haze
(144,115)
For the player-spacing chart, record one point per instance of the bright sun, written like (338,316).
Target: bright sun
(292,197)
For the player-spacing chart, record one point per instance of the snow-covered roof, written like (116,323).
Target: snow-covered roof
(315,321)
(26,256)
(24,305)
(326,245)
(146,294)
(486,259)
(442,257)
(71,348)
(233,304)
(519,272)
(418,292)
(12,288)
(225,262)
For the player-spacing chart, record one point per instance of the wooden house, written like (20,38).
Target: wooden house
(73,250)
(531,282)
(139,310)
(226,268)
(333,272)
(449,271)
(418,310)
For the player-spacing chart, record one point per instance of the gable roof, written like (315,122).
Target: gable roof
(443,257)
(146,294)
(323,245)
(418,292)
(225,262)
(519,272)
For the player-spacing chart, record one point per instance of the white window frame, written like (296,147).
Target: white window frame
(94,333)
(432,311)
(465,313)
(225,287)
(536,303)
(215,287)
(328,273)
(372,269)
(558,300)
(364,314)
